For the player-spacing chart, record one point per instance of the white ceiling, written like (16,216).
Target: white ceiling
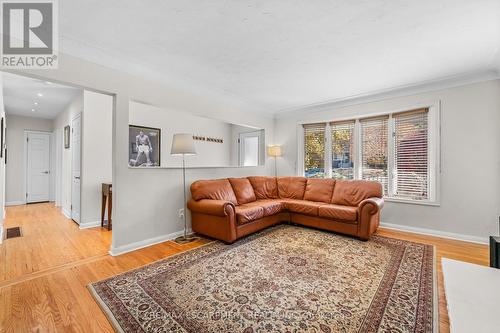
(21,94)
(279,54)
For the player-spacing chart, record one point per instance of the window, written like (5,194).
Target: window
(342,149)
(314,150)
(374,149)
(411,167)
(398,150)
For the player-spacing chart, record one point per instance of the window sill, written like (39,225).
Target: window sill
(413,202)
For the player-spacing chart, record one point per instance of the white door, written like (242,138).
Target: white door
(249,148)
(38,167)
(76,134)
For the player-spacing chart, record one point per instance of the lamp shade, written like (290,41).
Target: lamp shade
(183,144)
(274,151)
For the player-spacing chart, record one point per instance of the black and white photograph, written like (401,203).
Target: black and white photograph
(144,146)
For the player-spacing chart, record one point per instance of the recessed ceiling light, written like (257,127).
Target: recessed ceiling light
(39,94)
(48,82)
(32,110)
(36,103)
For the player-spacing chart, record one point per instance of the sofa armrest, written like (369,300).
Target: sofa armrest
(373,204)
(211,207)
(369,216)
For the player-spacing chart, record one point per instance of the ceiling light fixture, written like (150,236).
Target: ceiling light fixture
(36,103)
(39,94)
(32,110)
(48,82)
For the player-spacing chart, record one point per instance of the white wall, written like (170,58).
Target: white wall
(16,162)
(470,157)
(97,156)
(63,119)
(146,201)
(172,121)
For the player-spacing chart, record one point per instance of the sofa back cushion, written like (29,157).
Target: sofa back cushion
(318,189)
(291,187)
(216,189)
(352,192)
(243,190)
(264,187)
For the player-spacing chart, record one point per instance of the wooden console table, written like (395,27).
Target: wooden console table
(107,198)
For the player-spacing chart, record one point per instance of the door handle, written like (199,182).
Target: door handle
(46,172)
(77,177)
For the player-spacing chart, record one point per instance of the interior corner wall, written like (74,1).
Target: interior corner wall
(97,153)
(15,193)
(470,157)
(64,118)
(146,201)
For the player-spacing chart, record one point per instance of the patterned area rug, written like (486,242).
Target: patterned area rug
(284,279)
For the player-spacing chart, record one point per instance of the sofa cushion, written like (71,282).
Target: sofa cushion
(352,192)
(271,206)
(339,212)
(264,187)
(243,190)
(248,212)
(320,190)
(216,189)
(303,206)
(291,187)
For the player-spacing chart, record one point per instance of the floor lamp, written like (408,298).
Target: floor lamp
(275,151)
(183,144)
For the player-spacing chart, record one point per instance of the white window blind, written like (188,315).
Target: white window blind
(342,149)
(411,162)
(314,150)
(374,150)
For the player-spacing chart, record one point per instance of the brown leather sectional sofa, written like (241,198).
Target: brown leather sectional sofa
(228,209)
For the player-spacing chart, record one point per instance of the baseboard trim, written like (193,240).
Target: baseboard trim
(15,203)
(66,213)
(88,225)
(116,251)
(435,233)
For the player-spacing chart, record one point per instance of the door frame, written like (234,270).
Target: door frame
(77,115)
(25,160)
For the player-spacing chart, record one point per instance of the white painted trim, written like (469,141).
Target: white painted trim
(436,233)
(15,203)
(88,225)
(1,234)
(116,251)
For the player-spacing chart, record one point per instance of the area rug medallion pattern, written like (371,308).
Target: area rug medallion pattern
(284,279)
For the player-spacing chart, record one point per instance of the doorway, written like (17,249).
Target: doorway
(37,166)
(249,148)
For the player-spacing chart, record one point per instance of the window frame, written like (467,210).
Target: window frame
(434,149)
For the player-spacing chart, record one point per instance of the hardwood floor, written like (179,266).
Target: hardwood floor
(44,274)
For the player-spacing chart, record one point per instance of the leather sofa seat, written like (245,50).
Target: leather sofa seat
(228,209)
(249,212)
(339,212)
(303,207)
(271,207)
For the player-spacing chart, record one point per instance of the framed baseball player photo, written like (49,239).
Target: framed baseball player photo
(144,146)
